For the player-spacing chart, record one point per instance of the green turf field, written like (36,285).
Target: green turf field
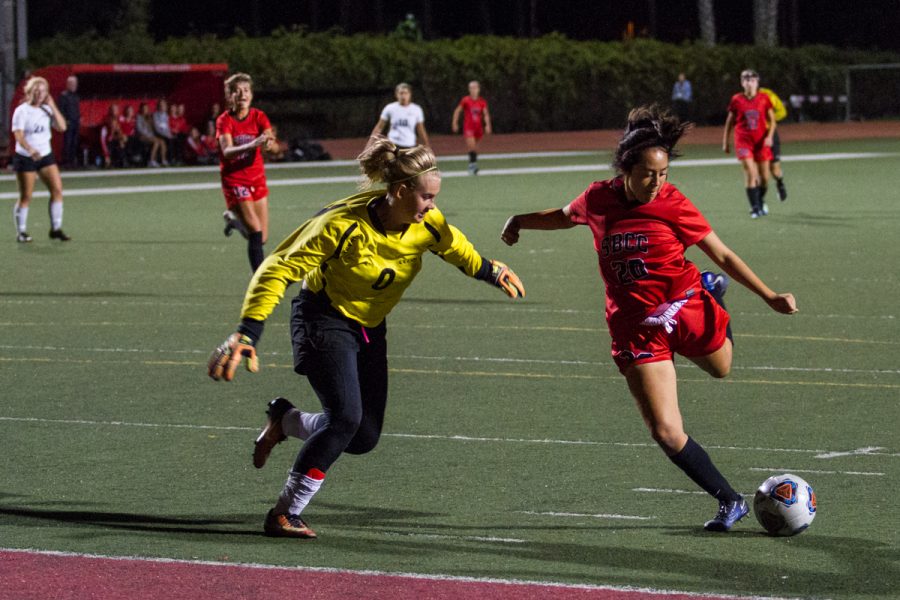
(512,448)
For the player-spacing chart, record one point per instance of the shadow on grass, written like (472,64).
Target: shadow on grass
(804,218)
(140,522)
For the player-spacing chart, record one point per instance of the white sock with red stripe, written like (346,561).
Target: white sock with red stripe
(299,424)
(298,491)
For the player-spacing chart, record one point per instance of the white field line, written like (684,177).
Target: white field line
(442,327)
(586,515)
(499,307)
(442,536)
(817,472)
(309,165)
(858,452)
(453,438)
(214,185)
(472,359)
(647,490)
(373,573)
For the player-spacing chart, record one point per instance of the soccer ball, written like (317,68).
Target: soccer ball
(785,504)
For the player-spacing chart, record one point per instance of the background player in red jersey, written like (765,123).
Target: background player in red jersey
(752,116)
(241,131)
(476,122)
(657,302)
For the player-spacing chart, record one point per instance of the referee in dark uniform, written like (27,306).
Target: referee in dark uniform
(69,105)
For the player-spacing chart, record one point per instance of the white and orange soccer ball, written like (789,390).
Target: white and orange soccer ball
(785,504)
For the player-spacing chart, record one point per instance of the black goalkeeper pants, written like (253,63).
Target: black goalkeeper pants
(346,364)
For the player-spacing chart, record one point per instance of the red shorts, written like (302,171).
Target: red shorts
(698,330)
(473,132)
(746,147)
(235,194)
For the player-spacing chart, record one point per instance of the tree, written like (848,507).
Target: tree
(765,20)
(707,22)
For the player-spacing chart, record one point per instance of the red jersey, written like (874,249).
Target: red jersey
(750,114)
(473,112)
(209,142)
(179,125)
(126,125)
(640,246)
(247,167)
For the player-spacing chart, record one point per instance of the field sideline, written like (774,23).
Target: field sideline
(513,464)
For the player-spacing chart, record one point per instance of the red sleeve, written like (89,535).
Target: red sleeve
(462,102)
(577,209)
(692,226)
(768,103)
(732,105)
(224,125)
(263,122)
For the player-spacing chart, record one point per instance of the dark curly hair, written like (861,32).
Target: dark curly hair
(648,127)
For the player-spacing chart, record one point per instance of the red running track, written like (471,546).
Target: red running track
(27,575)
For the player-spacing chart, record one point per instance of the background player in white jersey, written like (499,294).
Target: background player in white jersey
(31,122)
(406,120)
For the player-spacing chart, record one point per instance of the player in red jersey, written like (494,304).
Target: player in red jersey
(476,122)
(241,131)
(752,117)
(657,301)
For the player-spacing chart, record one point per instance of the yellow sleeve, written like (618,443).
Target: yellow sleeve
(304,250)
(777,105)
(451,244)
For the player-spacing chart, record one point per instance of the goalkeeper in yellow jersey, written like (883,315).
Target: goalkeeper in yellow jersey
(780,113)
(354,258)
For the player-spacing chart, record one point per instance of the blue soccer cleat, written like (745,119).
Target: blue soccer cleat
(729,514)
(714,283)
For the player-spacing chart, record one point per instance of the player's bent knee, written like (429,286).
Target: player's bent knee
(669,437)
(721,372)
(346,425)
(363,444)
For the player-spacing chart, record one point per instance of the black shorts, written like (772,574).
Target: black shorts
(26,164)
(316,326)
(776,147)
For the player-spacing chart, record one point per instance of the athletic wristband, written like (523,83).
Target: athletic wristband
(485,272)
(251,328)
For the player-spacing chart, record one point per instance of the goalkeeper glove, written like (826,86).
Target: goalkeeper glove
(504,278)
(224,360)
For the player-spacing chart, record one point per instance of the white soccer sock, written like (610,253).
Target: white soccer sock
(299,424)
(20,217)
(56,210)
(298,491)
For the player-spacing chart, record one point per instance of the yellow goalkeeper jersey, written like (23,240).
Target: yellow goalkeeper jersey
(777,105)
(364,269)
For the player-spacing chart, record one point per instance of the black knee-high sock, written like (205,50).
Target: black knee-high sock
(695,462)
(473,157)
(754,198)
(255,249)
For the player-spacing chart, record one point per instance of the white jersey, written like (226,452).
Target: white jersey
(403,120)
(34,122)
